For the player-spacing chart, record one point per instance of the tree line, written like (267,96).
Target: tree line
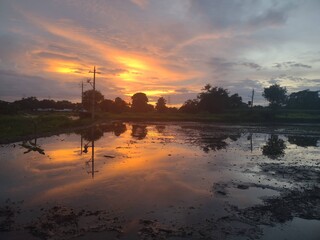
(139,103)
(32,104)
(210,99)
(278,97)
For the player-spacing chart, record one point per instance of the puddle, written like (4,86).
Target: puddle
(295,230)
(162,181)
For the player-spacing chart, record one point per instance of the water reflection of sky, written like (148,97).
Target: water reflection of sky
(141,168)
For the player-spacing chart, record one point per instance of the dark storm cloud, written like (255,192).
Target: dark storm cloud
(300,65)
(244,14)
(221,64)
(112,71)
(182,90)
(271,18)
(21,85)
(56,55)
(291,64)
(251,65)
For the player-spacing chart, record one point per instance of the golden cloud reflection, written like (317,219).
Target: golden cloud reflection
(134,161)
(64,155)
(145,167)
(57,159)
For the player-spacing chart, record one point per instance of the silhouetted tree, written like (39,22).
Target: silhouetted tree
(305,99)
(29,103)
(190,106)
(64,104)
(274,147)
(107,105)
(161,105)
(213,99)
(120,105)
(46,103)
(140,103)
(235,101)
(172,110)
(276,95)
(87,99)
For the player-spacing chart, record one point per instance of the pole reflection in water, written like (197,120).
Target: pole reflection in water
(92,171)
(92,157)
(250,138)
(81,140)
(32,146)
(90,135)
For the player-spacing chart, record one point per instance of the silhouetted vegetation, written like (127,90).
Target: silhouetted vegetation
(190,106)
(140,103)
(87,99)
(161,105)
(274,147)
(116,106)
(213,100)
(305,99)
(19,125)
(213,104)
(276,95)
(33,104)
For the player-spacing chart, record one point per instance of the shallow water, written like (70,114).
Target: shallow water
(160,181)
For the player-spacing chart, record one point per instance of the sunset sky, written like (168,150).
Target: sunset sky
(159,47)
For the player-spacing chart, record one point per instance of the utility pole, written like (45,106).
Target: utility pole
(252,98)
(251,102)
(82,93)
(94,90)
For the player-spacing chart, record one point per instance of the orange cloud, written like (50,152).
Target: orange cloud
(140,3)
(141,72)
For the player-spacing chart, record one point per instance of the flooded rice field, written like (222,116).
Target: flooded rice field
(163,181)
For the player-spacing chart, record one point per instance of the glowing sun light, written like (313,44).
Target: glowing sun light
(64,70)
(132,63)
